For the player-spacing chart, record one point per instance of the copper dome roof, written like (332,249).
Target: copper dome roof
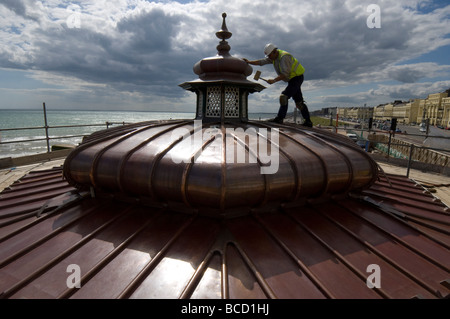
(220,163)
(147,160)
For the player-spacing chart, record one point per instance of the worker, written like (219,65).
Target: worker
(289,70)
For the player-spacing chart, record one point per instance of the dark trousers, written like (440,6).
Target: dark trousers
(294,90)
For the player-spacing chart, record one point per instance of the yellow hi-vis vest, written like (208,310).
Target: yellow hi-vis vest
(296,70)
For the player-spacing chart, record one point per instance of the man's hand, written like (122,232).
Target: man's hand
(279,78)
(255,62)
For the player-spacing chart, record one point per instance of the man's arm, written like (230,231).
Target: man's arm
(265,61)
(279,78)
(254,62)
(258,62)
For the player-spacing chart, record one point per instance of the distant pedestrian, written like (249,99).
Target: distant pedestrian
(289,70)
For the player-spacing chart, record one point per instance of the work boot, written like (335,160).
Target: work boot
(307,123)
(305,113)
(277,120)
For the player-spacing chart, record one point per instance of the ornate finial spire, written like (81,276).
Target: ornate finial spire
(223,48)
(224,33)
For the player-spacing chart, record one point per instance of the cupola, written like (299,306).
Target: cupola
(222,87)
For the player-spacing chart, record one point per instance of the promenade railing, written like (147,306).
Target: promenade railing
(399,146)
(48,137)
(46,127)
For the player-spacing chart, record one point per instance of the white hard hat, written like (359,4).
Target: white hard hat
(269,48)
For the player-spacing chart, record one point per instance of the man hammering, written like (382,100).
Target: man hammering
(289,70)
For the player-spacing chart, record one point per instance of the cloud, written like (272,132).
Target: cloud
(417,90)
(379,94)
(145,49)
(406,74)
(414,72)
(22,9)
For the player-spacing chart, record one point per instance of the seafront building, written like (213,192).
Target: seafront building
(436,108)
(432,109)
(446,109)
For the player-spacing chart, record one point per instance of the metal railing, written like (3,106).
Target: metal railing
(46,127)
(413,153)
(408,150)
(48,137)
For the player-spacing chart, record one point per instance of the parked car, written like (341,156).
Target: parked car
(352,136)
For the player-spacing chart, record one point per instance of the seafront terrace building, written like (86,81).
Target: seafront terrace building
(383,112)
(399,111)
(378,112)
(365,113)
(406,112)
(436,108)
(446,108)
(412,111)
(355,112)
(421,116)
(432,109)
(388,111)
(343,112)
(352,112)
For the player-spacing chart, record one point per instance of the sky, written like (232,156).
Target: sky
(133,54)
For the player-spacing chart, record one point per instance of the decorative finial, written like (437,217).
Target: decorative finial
(223,34)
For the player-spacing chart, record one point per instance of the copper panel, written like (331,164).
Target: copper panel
(314,251)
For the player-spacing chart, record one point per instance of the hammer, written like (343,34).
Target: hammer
(258,76)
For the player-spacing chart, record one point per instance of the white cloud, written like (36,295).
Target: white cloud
(414,72)
(384,93)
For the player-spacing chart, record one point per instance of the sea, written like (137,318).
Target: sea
(17,139)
